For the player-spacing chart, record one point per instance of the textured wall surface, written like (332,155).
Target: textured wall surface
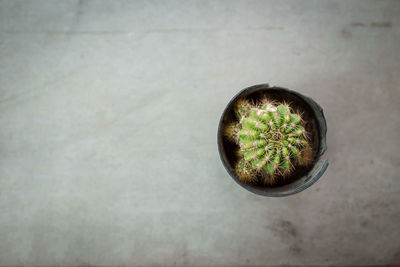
(108,120)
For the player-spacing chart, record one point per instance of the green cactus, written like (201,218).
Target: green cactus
(271,139)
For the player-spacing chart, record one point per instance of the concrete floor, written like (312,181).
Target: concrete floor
(109,113)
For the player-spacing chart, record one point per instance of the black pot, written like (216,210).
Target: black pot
(316,126)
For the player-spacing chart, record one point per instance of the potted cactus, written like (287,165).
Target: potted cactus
(271,140)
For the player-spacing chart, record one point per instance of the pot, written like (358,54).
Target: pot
(301,178)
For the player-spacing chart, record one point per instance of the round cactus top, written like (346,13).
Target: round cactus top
(271,138)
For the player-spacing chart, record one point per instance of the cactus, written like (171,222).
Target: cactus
(271,140)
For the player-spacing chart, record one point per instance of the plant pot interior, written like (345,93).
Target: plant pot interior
(298,104)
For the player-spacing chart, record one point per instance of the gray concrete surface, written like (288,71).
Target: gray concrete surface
(109,113)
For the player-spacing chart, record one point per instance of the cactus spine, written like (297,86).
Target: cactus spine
(271,138)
